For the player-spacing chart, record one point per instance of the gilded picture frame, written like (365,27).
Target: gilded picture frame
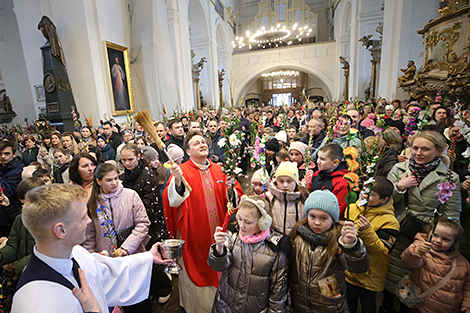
(120,79)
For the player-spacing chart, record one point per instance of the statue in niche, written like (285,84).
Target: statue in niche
(460,65)
(409,73)
(203,101)
(49,32)
(5,105)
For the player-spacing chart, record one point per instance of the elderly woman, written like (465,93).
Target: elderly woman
(415,200)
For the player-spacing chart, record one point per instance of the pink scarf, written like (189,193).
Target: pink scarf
(254,238)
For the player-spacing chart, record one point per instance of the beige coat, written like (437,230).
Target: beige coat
(286,209)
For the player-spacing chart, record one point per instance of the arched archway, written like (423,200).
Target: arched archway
(320,78)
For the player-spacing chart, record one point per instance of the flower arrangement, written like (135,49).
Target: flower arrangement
(412,122)
(350,155)
(258,157)
(444,193)
(129,119)
(76,123)
(331,130)
(369,162)
(232,145)
(108,224)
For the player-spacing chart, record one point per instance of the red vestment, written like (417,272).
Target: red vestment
(191,220)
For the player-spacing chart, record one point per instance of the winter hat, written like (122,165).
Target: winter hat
(273,145)
(257,176)
(175,152)
(389,107)
(368,121)
(288,169)
(265,221)
(323,200)
(149,152)
(299,146)
(281,136)
(398,124)
(100,136)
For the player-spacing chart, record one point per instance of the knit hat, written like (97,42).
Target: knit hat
(281,136)
(175,152)
(265,220)
(323,200)
(288,169)
(149,152)
(368,121)
(299,146)
(257,176)
(273,145)
(389,107)
(100,136)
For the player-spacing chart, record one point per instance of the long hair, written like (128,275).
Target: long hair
(73,167)
(94,200)
(332,235)
(137,152)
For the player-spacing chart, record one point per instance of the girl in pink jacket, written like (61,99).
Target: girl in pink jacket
(119,223)
(432,261)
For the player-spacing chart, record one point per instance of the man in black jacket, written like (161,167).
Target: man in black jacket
(114,139)
(354,114)
(177,136)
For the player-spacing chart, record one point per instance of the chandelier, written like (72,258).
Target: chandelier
(281,73)
(273,37)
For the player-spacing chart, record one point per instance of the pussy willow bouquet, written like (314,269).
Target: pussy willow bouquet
(232,145)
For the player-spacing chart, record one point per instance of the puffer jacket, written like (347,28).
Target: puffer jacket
(430,268)
(422,201)
(286,209)
(127,211)
(19,247)
(310,264)
(254,277)
(379,240)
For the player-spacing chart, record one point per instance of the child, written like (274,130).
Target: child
(431,261)
(61,168)
(253,260)
(287,198)
(330,173)
(321,251)
(257,187)
(378,229)
(45,175)
(272,147)
(160,171)
(176,154)
(297,155)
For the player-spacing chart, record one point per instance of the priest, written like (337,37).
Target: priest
(193,217)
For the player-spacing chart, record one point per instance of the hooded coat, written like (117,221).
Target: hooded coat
(254,277)
(430,268)
(126,210)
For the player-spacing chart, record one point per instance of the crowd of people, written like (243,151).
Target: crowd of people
(354,207)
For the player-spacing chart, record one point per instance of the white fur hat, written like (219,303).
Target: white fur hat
(281,136)
(265,220)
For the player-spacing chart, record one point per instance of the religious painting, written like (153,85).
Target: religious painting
(119,73)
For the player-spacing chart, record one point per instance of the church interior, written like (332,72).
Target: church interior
(178,55)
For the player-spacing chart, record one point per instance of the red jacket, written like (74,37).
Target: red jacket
(334,182)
